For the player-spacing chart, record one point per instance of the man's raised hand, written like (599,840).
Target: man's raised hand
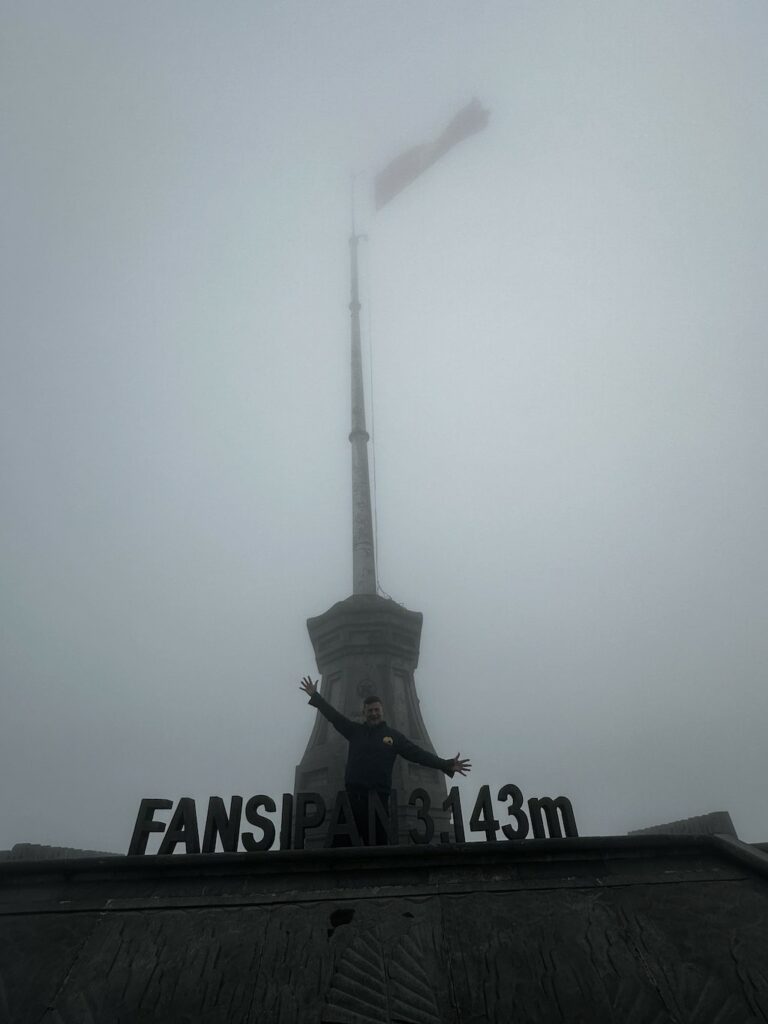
(461,767)
(308,686)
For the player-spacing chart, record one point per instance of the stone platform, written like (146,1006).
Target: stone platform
(636,930)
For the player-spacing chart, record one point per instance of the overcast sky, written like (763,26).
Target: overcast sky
(567,317)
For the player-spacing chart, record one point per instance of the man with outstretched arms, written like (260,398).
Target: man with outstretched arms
(373,747)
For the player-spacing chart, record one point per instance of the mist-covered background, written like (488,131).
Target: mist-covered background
(567,316)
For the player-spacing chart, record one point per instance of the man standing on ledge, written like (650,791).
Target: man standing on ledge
(373,747)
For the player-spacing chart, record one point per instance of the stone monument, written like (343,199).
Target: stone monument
(367,643)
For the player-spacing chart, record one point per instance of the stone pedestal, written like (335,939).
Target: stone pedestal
(637,930)
(368,644)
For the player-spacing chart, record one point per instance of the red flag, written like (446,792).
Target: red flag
(409,165)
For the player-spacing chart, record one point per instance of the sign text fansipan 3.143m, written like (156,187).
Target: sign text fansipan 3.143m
(307,811)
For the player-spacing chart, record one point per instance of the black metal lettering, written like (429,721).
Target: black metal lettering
(145,825)
(515,811)
(482,819)
(182,829)
(219,824)
(266,825)
(550,808)
(342,823)
(452,803)
(422,814)
(305,818)
(286,820)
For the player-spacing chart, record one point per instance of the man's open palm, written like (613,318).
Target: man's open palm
(308,686)
(461,767)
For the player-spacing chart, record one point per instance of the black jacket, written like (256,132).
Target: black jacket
(373,749)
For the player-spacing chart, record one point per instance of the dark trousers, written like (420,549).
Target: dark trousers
(358,801)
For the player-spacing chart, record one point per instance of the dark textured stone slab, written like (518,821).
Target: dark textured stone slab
(638,931)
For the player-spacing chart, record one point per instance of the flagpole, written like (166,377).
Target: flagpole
(363,557)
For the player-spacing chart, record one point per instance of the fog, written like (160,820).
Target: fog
(564,328)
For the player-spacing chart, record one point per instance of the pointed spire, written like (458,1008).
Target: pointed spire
(363,559)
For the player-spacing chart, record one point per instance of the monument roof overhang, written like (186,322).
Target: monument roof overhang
(365,623)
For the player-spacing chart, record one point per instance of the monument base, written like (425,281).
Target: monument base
(647,929)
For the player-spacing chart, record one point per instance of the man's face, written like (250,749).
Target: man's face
(373,713)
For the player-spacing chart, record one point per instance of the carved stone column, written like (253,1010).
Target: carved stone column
(368,644)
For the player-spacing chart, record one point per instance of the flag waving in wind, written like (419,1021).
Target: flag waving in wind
(409,165)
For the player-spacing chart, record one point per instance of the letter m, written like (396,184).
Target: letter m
(550,808)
